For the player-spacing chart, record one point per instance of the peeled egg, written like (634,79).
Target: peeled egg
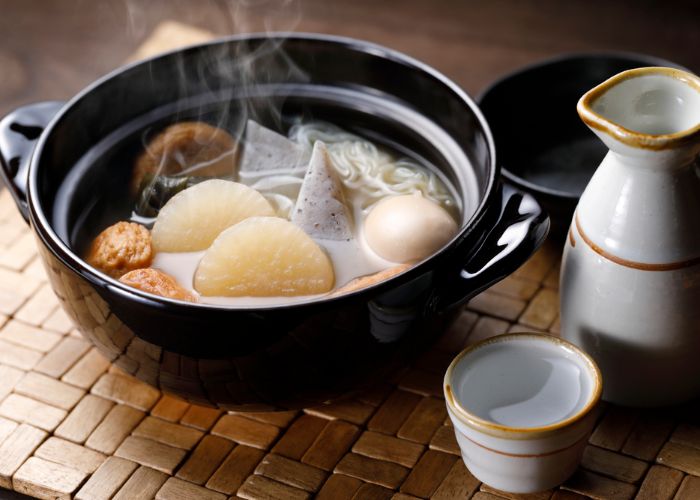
(408,228)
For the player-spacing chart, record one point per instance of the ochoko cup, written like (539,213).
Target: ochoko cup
(523,406)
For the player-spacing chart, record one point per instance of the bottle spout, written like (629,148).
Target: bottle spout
(645,108)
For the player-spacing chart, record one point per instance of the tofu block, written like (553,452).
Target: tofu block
(265,150)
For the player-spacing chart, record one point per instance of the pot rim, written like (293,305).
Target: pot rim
(69,258)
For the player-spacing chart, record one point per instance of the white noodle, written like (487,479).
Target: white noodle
(365,169)
(369,172)
(373,172)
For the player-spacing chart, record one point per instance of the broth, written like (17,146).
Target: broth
(351,259)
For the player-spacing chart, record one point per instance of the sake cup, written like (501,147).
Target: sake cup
(523,407)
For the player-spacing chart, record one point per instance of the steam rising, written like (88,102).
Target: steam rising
(231,79)
(238,76)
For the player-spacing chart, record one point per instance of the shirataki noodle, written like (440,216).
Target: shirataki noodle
(370,172)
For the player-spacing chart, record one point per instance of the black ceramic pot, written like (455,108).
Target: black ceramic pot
(59,160)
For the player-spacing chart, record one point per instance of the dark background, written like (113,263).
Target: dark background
(50,49)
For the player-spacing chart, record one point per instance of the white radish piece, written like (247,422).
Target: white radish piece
(264,257)
(192,219)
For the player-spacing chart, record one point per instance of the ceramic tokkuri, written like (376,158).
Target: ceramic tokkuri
(630,283)
(523,407)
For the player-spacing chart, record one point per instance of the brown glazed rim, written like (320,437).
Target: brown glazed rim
(520,433)
(528,455)
(669,266)
(632,137)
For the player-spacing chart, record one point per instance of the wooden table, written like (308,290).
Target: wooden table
(72,425)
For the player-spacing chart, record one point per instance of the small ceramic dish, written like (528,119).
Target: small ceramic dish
(543,147)
(523,406)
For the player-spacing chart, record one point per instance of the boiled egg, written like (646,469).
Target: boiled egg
(408,228)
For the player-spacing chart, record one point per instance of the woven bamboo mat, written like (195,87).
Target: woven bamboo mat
(73,425)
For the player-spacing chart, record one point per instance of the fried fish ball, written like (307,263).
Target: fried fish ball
(121,248)
(370,279)
(158,283)
(185,145)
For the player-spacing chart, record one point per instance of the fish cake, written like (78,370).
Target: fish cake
(158,283)
(370,279)
(194,148)
(121,248)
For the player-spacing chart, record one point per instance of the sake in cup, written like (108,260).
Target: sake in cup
(523,407)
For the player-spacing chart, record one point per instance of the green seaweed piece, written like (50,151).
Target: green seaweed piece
(155,191)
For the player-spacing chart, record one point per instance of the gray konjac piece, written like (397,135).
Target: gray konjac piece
(321,210)
(265,149)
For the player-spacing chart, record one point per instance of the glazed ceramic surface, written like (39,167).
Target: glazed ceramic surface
(556,162)
(266,358)
(630,284)
(522,406)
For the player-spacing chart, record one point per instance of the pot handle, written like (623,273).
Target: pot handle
(518,229)
(19,132)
